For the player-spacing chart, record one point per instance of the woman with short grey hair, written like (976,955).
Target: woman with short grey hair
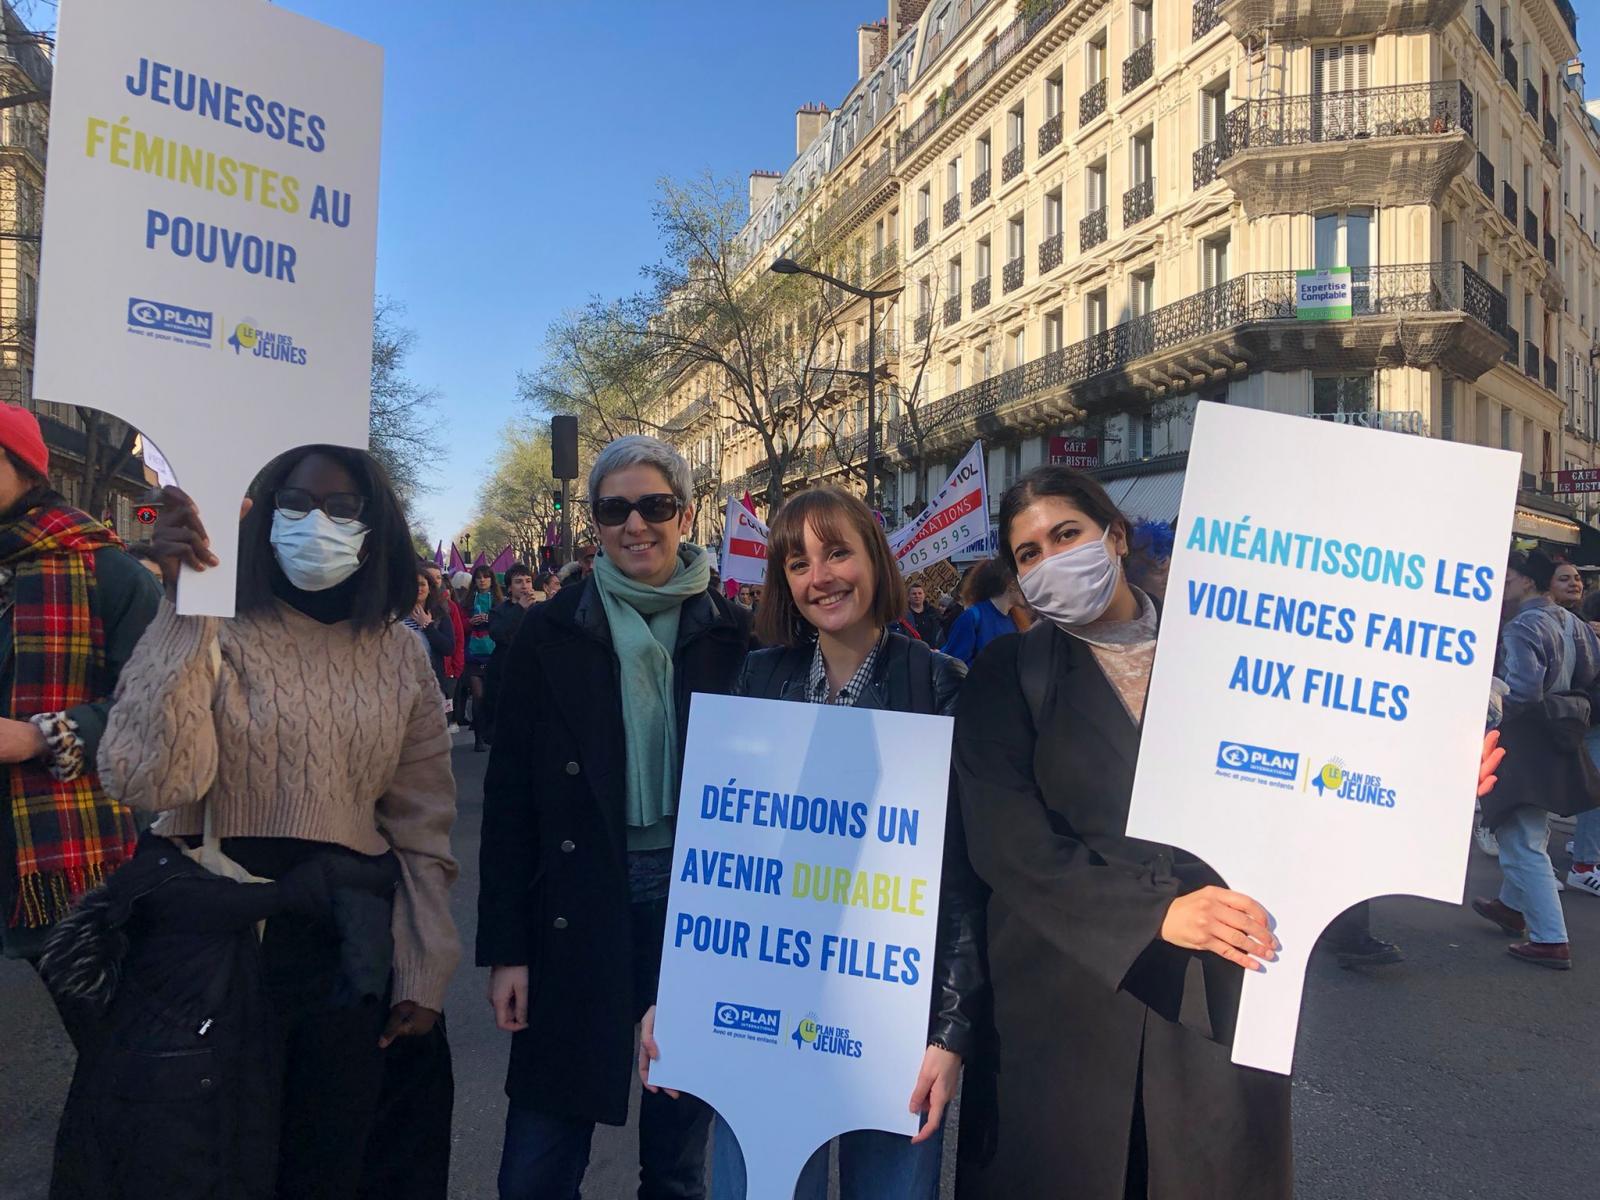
(579,819)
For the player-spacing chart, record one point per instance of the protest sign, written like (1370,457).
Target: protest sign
(210,225)
(744,545)
(955,519)
(1321,680)
(795,972)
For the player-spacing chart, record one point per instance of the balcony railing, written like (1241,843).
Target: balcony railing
(1513,354)
(1409,110)
(1550,373)
(980,187)
(994,56)
(849,201)
(690,413)
(919,234)
(1050,253)
(980,293)
(1260,296)
(1138,66)
(1530,227)
(884,261)
(952,310)
(1049,134)
(1011,164)
(1205,18)
(1092,229)
(1205,163)
(886,345)
(1138,202)
(1530,360)
(1530,99)
(1508,64)
(923,323)
(1011,275)
(1552,133)
(952,210)
(1092,103)
(1486,176)
(1550,249)
(1486,30)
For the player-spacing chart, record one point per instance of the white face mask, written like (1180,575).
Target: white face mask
(316,552)
(1075,586)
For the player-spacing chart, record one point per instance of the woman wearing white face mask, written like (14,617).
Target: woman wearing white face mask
(1116,963)
(310,722)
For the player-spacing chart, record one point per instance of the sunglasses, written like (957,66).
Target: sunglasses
(656,508)
(341,507)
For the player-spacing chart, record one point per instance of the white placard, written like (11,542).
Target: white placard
(955,521)
(796,971)
(210,226)
(744,544)
(1321,682)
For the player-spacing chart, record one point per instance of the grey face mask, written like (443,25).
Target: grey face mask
(1076,586)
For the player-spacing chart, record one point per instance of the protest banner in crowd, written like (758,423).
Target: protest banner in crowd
(210,229)
(744,545)
(1321,681)
(800,932)
(955,519)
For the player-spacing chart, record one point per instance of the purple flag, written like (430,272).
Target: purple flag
(457,563)
(481,561)
(503,561)
(438,556)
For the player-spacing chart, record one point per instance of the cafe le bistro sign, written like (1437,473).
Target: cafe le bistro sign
(1080,452)
(1581,480)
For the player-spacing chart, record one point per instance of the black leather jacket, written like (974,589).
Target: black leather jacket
(960,1013)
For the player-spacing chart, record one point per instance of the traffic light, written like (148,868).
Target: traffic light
(555,498)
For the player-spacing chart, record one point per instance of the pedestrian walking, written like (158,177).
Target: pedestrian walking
(311,721)
(72,607)
(994,609)
(830,620)
(579,818)
(922,616)
(483,597)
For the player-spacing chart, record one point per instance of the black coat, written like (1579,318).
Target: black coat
(960,1004)
(1092,1009)
(554,872)
(928,626)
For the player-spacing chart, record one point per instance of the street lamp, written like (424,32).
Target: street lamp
(787,266)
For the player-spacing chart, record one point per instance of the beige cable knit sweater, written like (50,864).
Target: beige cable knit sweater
(307,731)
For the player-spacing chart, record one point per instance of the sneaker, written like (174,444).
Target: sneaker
(1555,955)
(1503,915)
(1585,881)
(1487,842)
(1369,952)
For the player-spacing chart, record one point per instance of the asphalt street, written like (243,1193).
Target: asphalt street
(1459,1073)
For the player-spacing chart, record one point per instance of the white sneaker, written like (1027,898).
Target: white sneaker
(1487,842)
(1585,881)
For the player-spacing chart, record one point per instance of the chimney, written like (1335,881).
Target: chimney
(808,123)
(903,14)
(872,47)
(762,185)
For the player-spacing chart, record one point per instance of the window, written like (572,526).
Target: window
(1016,348)
(952,376)
(1015,131)
(1094,313)
(1052,331)
(1340,397)
(924,202)
(1142,292)
(878,232)
(1141,26)
(1344,239)
(952,179)
(1214,260)
(1214,110)
(1094,197)
(953,278)
(1141,161)
(1094,60)
(984,265)
(1014,239)
(982,159)
(1340,77)
(1053,92)
(985,360)
(1013,463)
(1052,213)
(1505,428)
(924,295)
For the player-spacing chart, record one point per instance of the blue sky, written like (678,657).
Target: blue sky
(522,143)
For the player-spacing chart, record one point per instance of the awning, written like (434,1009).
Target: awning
(1545,526)
(1150,497)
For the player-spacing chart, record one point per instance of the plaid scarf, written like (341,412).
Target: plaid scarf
(69,834)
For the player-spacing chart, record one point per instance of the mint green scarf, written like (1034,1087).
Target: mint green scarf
(644,633)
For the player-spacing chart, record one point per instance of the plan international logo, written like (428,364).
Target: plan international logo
(746,1022)
(169,322)
(1258,764)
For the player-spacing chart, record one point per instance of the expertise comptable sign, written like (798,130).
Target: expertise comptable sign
(209,237)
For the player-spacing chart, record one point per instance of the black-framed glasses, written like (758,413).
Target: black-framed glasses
(657,508)
(342,507)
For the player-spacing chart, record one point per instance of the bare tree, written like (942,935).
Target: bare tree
(597,368)
(515,501)
(404,423)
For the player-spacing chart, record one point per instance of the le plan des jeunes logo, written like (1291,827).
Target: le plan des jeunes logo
(746,1023)
(1336,779)
(1258,764)
(170,322)
(250,338)
(811,1034)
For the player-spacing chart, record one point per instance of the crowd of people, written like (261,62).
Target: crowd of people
(229,847)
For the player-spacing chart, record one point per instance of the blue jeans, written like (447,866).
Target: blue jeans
(544,1157)
(1529,882)
(1586,837)
(873,1165)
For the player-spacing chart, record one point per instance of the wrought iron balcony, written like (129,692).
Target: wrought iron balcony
(884,261)
(952,210)
(886,345)
(923,324)
(873,182)
(688,415)
(1530,227)
(1552,133)
(1486,30)
(980,293)
(1409,110)
(952,310)
(1011,164)
(1174,347)
(1205,18)
(980,187)
(706,477)
(1508,202)
(1205,163)
(1138,202)
(1486,176)
(1011,275)
(919,234)
(1508,64)
(1550,249)
(1550,373)
(1092,103)
(1513,354)
(1092,229)
(1050,134)
(1050,253)
(1530,360)
(1530,99)
(1138,66)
